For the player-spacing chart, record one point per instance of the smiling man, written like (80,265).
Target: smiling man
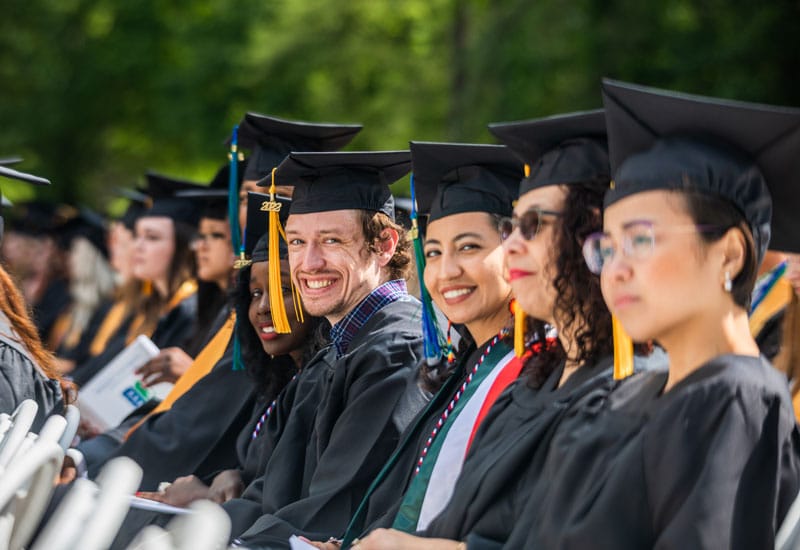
(335,425)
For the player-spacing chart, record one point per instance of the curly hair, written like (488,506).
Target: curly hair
(579,301)
(269,375)
(372,225)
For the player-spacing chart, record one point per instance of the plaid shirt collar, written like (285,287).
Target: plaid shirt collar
(343,332)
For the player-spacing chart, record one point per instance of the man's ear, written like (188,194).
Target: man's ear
(386,245)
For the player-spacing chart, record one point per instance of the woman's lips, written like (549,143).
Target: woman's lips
(515,274)
(623,301)
(267,332)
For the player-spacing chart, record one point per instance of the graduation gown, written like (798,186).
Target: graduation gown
(512,441)
(713,463)
(332,431)
(54,301)
(80,352)
(21,378)
(173,329)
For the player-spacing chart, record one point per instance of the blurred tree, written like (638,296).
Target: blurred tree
(94,92)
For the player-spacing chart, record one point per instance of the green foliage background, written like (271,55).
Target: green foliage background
(93,93)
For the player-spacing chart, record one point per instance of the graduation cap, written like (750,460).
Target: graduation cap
(744,153)
(138,202)
(271,139)
(88,224)
(16,175)
(342,181)
(561,149)
(453,178)
(163,190)
(256,233)
(213,198)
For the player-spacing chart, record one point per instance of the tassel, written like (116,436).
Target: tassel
(623,351)
(276,305)
(147,287)
(432,339)
(527,170)
(519,328)
(233,198)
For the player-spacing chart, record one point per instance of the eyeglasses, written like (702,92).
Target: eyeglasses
(638,242)
(529,223)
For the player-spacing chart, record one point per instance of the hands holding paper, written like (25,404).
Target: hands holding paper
(167,366)
(185,490)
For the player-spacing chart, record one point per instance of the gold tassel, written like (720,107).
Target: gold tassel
(519,328)
(277,307)
(623,351)
(527,170)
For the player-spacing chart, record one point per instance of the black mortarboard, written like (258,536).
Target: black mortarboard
(22,176)
(453,178)
(163,190)
(343,181)
(213,198)
(138,202)
(88,224)
(742,152)
(560,149)
(272,138)
(255,233)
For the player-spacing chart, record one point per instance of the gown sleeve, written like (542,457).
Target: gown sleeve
(721,469)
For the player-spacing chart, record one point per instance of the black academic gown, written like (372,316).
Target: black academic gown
(79,353)
(21,378)
(345,418)
(54,301)
(173,329)
(713,463)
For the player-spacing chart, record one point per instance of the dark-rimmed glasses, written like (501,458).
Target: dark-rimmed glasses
(528,223)
(638,242)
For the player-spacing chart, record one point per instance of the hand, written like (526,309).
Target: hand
(69,472)
(167,366)
(391,539)
(226,485)
(87,430)
(181,493)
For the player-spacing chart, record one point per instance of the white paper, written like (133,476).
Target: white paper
(297,544)
(151,505)
(116,391)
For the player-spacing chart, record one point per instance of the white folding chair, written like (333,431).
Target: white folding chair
(73,416)
(52,430)
(16,428)
(208,527)
(90,515)
(25,489)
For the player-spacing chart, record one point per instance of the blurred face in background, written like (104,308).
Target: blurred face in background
(154,248)
(120,250)
(214,252)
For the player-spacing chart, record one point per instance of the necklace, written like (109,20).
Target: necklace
(450,406)
(266,414)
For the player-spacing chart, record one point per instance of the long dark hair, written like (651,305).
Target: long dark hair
(579,301)
(269,374)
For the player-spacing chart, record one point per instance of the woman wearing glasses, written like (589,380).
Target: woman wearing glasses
(707,456)
(559,206)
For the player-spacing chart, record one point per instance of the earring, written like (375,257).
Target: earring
(728,285)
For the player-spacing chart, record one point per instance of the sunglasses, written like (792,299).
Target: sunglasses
(528,223)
